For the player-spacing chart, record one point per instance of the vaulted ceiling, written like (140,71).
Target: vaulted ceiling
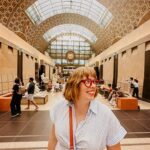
(127,15)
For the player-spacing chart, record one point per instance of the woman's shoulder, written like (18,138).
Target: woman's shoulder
(103,111)
(101,107)
(58,109)
(60,104)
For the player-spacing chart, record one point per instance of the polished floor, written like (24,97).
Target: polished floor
(31,129)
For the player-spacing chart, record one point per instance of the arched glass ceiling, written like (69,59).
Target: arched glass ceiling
(69,28)
(43,9)
(69,38)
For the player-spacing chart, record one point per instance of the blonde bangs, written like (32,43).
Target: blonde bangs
(71,92)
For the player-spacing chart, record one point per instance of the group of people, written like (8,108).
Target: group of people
(17,91)
(112,94)
(134,87)
(57,86)
(79,119)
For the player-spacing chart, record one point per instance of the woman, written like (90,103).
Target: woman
(15,104)
(94,125)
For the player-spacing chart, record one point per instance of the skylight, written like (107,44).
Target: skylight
(43,9)
(72,29)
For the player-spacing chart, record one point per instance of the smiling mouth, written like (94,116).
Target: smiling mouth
(91,92)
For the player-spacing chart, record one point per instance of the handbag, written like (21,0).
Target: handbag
(71,128)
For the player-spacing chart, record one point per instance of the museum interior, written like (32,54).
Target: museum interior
(48,39)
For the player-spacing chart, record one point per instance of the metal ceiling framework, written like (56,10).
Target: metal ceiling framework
(43,9)
(69,29)
(126,16)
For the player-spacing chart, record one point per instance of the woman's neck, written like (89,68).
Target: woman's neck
(81,109)
(81,106)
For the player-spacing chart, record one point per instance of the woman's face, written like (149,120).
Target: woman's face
(87,88)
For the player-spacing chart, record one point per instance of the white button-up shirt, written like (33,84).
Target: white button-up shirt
(136,85)
(99,129)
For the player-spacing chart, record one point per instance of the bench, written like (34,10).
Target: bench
(127,103)
(5,100)
(40,100)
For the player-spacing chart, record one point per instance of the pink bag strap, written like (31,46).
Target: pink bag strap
(71,128)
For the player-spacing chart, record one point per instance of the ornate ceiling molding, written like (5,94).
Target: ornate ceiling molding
(127,15)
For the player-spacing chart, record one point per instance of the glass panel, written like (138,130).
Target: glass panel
(64,61)
(58,61)
(43,9)
(53,51)
(65,47)
(58,51)
(64,51)
(71,29)
(76,61)
(75,43)
(59,42)
(59,47)
(81,62)
(58,55)
(87,48)
(87,52)
(76,47)
(70,47)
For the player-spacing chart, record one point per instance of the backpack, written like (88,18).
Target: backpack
(22,90)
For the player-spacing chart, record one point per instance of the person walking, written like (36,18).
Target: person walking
(30,94)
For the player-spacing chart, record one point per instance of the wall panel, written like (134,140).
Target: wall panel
(8,68)
(131,64)
(28,68)
(47,71)
(146,86)
(108,70)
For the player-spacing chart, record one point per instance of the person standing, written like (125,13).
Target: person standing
(131,88)
(80,120)
(16,99)
(30,95)
(49,86)
(136,88)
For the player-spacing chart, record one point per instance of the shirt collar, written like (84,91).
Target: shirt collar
(92,107)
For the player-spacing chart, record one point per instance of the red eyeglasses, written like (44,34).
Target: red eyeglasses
(88,82)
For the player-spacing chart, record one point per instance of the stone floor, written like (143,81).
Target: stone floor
(30,131)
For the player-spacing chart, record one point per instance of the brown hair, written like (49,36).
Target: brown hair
(71,92)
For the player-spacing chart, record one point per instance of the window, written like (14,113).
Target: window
(92,9)
(10,49)
(70,29)
(134,50)
(27,55)
(69,43)
(82,62)
(124,53)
